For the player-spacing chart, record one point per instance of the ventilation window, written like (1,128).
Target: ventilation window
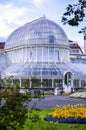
(51,38)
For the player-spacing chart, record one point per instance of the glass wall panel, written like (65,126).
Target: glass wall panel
(62,55)
(47,83)
(58,83)
(24,55)
(83,83)
(51,54)
(33,54)
(56,56)
(45,54)
(28,54)
(76,84)
(39,54)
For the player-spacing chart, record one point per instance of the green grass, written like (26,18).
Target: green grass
(42,112)
(38,122)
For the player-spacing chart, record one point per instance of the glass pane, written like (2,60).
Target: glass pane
(45,54)
(33,54)
(51,54)
(56,57)
(39,54)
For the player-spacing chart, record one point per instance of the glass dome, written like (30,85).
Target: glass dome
(40,31)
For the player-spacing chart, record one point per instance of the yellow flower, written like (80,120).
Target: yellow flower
(75,111)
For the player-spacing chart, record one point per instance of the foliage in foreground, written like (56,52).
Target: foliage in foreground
(13,113)
(53,126)
(13,107)
(35,122)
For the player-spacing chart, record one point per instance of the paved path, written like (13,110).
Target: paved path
(52,101)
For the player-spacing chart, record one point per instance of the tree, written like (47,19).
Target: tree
(75,14)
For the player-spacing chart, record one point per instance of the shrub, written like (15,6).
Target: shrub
(13,113)
(35,117)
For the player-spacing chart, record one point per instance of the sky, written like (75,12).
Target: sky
(15,13)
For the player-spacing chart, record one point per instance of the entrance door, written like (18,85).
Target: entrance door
(68,78)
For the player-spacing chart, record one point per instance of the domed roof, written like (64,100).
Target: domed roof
(40,31)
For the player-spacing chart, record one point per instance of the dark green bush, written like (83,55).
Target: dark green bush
(13,112)
(35,117)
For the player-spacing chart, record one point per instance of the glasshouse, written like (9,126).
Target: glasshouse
(41,49)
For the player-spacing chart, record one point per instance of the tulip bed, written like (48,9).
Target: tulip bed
(68,114)
(78,95)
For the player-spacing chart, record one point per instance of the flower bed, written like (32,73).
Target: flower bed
(79,95)
(68,114)
(66,120)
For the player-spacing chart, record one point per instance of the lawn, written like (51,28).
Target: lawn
(36,121)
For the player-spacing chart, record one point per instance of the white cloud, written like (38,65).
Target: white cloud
(11,17)
(36,2)
(39,3)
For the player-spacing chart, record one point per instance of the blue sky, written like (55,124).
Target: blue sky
(15,13)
